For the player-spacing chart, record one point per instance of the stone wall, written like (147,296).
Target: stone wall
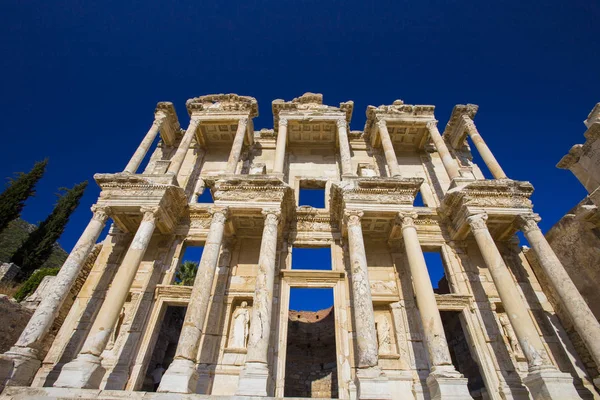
(311,369)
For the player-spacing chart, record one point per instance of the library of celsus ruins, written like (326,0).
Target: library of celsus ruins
(396,195)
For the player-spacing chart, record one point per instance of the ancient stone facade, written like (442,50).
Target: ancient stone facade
(395,337)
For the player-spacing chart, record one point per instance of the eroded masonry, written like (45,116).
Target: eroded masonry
(393,193)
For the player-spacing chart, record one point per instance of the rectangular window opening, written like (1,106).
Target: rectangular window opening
(311,366)
(188,265)
(164,349)
(460,352)
(206,197)
(437,272)
(312,193)
(419,200)
(317,258)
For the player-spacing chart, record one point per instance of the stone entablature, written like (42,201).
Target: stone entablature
(389,322)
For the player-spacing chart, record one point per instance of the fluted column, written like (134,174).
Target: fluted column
(388,149)
(370,380)
(19,365)
(583,319)
(184,146)
(181,377)
(236,147)
(544,381)
(484,151)
(85,370)
(345,157)
(143,148)
(450,164)
(281,144)
(254,376)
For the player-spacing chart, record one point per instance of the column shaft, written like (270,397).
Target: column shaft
(515,307)
(236,147)
(184,146)
(189,340)
(281,144)
(435,338)
(388,149)
(366,334)
(483,149)
(583,319)
(449,163)
(143,148)
(345,157)
(198,190)
(260,327)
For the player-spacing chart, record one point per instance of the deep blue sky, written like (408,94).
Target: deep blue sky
(80,80)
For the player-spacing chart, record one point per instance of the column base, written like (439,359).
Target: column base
(372,384)
(18,366)
(253,380)
(550,384)
(445,382)
(180,377)
(85,372)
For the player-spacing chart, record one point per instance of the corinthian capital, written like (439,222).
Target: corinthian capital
(149,213)
(477,221)
(341,123)
(469,124)
(159,118)
(406,219)
(382,124)
(283,121)
(528,222)
(431,125)
(219,214)
(272,215)
(353,217)
(101,213)
(243,122)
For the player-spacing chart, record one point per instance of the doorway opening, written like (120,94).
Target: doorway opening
(165,347)
(311,365)
(436,270)
(459,347)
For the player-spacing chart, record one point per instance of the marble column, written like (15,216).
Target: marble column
(444,381)
(371,381)
(450,164)
(86,371)
(182,376)
(388,149)
(236,147)
(198,190)
(141,151)
(344,143)
(483,149)
(583,319)
(19,365)
(544,380)
(184,146)
(281,144)
(254,376)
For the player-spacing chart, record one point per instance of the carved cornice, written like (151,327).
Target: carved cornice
(170,129)
(223,103)
(378,190)
(396,110)
(455,129)
(493,193)
(310,104)
(312,219)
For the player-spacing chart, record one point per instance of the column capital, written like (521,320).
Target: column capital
(431,124)
(341,123)
(219,213)
(381,123)
(101,213)
(283,121)
(469,124)
(159,118)
(528,222)
(243,121)
(353,217)
(477,221)
(149,213)
(406,219)
(272,215)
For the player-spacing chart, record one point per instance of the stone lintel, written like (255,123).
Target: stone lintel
(398,112)
(223,103)
(455,130)
(170,131)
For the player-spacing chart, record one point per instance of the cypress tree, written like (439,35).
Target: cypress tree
(38,246)
(12,200)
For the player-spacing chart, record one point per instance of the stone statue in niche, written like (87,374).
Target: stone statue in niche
(384,339)
(511,337)
(240,327)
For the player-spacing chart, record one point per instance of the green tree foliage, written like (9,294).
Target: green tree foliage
(12,200)
(38,246)
(34,281)
(186,274)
